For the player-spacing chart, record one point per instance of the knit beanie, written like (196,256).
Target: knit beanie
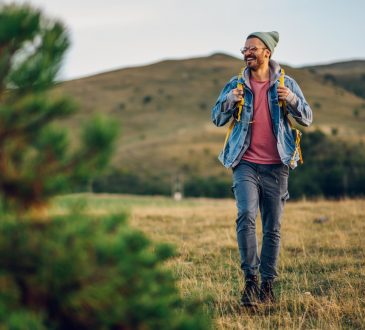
(270,39)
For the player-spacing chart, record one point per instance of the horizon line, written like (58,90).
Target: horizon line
(131,66)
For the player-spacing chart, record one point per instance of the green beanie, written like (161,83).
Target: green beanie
(270,39)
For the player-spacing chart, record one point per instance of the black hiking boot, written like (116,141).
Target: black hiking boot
(266,292)
(250,296)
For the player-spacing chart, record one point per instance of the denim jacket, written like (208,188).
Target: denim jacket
(239,139)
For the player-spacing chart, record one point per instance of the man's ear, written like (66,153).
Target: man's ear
(268,53)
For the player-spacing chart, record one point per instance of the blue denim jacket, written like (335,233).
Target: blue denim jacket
(239,139)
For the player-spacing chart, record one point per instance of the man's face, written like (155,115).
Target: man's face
(260,54)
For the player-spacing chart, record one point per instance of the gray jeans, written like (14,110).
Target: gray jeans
(263,187)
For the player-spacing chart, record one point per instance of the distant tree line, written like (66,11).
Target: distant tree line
(332,169)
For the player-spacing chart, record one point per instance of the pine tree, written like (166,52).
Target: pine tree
(76,271)
(35,157)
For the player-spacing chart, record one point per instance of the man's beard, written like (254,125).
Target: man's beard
(253,62)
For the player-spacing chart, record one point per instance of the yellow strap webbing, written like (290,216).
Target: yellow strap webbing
(240,106)
(282,104)
(298,134)
(230,128)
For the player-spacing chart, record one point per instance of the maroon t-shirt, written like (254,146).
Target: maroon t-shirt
(262,149)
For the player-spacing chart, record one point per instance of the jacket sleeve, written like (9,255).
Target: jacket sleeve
(298,108)
(225,106)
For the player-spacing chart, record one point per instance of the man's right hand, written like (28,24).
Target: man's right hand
(233,97)
(237,95)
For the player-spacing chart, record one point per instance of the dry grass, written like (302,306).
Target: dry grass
(321,265)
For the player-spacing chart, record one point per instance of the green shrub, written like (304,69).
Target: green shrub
(334,131)
(356,112)
(208,187)
(121,106)
(203,106)
(147,99)
(317,105)
(78,272)
(122,181)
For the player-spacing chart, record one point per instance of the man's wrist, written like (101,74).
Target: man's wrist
(291,99)
(231,102)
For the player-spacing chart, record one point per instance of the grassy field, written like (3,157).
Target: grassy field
(322,265)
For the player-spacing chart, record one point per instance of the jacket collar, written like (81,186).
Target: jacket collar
(275,71)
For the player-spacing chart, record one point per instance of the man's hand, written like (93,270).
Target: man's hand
(233,97)
(285,94)
(237,94)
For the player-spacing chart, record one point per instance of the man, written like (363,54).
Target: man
(260,149)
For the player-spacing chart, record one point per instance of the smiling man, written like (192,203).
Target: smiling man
(260,149)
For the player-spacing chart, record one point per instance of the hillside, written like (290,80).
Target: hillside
(164,112)
(349,75)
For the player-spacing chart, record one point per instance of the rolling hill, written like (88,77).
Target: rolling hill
(164,112)
(349,75)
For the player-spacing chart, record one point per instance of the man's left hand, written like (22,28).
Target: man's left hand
(283,92)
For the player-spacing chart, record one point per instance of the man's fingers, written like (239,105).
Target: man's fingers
(238,91)
(282,92)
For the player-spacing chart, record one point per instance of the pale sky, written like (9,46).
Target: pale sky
(113,34)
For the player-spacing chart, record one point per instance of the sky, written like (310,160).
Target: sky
(112,34)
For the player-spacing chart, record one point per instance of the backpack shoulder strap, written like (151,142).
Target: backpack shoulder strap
(240,107)
(282,104)
(298,134)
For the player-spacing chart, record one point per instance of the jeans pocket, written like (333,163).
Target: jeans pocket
(285,170)
(283,181)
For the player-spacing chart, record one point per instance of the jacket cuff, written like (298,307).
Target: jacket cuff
(292,99)
(230,101)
